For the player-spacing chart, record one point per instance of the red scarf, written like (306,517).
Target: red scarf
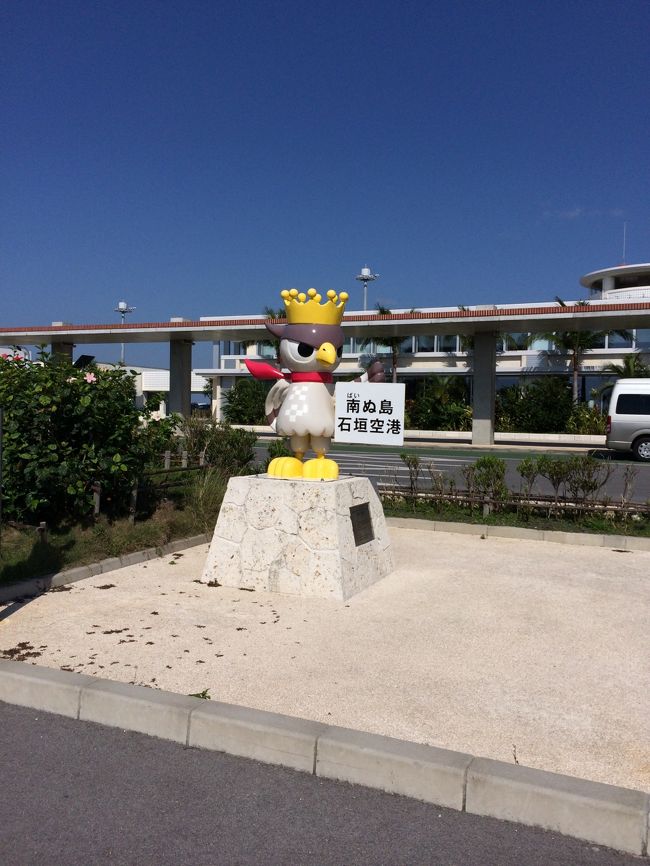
(262,370)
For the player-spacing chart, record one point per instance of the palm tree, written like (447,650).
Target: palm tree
(633,367)
(575,344)
(393,344)
(269,313)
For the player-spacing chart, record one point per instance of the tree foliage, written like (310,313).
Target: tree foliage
(632,367)
(574,344)
(65,430)
(440,403)
(244,402)
(540,406)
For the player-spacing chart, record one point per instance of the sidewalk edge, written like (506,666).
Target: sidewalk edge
(603,814)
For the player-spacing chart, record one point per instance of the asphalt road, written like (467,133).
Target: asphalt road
(78,794)
(386,466)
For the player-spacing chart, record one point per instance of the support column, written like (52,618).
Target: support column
(62,350)
(215,408)
(180,377)
(485,367)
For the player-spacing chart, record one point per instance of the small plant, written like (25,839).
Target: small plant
(489,478)
(414,467)
(230,449)
(555,470)
(244,402)
(629,479)
(586,476)
(204,695)
(587,420)
(204,497)
(528,468)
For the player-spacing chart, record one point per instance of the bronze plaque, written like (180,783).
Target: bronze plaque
(361,524)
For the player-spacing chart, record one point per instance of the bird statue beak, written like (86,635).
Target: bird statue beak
(326,354)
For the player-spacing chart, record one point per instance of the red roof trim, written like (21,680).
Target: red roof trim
(511,312)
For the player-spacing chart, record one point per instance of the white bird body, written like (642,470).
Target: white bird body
(303,409)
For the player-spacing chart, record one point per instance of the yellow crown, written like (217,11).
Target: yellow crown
(301,311)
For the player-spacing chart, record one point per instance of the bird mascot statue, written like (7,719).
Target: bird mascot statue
(300,404)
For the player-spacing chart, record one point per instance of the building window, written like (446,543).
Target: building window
(266,351)
(616,341)
(426,343)
(447,343)
(642,340)
(516,342)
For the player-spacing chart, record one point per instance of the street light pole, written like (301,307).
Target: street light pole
(366,276)
(123,309)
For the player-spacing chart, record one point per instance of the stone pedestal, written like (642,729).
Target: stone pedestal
(309,538)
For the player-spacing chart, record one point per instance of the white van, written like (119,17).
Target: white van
(628,421)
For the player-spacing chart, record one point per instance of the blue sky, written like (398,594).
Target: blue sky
(197,157)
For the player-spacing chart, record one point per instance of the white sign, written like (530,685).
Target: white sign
(369,413)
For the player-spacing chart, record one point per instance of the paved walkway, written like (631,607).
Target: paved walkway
(517,650)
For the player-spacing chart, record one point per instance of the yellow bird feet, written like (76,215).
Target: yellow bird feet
(317,469)
(285,467)
(320,469)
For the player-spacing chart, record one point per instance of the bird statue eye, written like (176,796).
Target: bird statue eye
(339,352)
(305,350)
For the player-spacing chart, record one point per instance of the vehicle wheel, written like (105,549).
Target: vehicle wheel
(641,448)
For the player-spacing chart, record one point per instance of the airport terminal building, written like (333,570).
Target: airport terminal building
(490,345)
(519,354)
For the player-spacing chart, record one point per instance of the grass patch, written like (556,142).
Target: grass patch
(191,512)
(450,512)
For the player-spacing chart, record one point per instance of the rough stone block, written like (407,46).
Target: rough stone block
(604,814)
(411,769)
(268,737)
(296,536)
(41,688)
(137,708)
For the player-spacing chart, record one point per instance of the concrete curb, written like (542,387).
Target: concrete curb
(603,814)
(37,585)
(584,539)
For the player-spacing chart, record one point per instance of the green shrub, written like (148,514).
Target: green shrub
(555,470)
(587,420)
(528,468)
(541,406)
(223,447)
(586,476)
(229,449)
(244,402)
(489,477)
(440,403)
(65,430)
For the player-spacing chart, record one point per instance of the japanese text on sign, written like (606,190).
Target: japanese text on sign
(370,413)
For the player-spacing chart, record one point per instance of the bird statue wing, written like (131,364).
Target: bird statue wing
(274,400)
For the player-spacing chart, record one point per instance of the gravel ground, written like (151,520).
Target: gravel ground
(517,650)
